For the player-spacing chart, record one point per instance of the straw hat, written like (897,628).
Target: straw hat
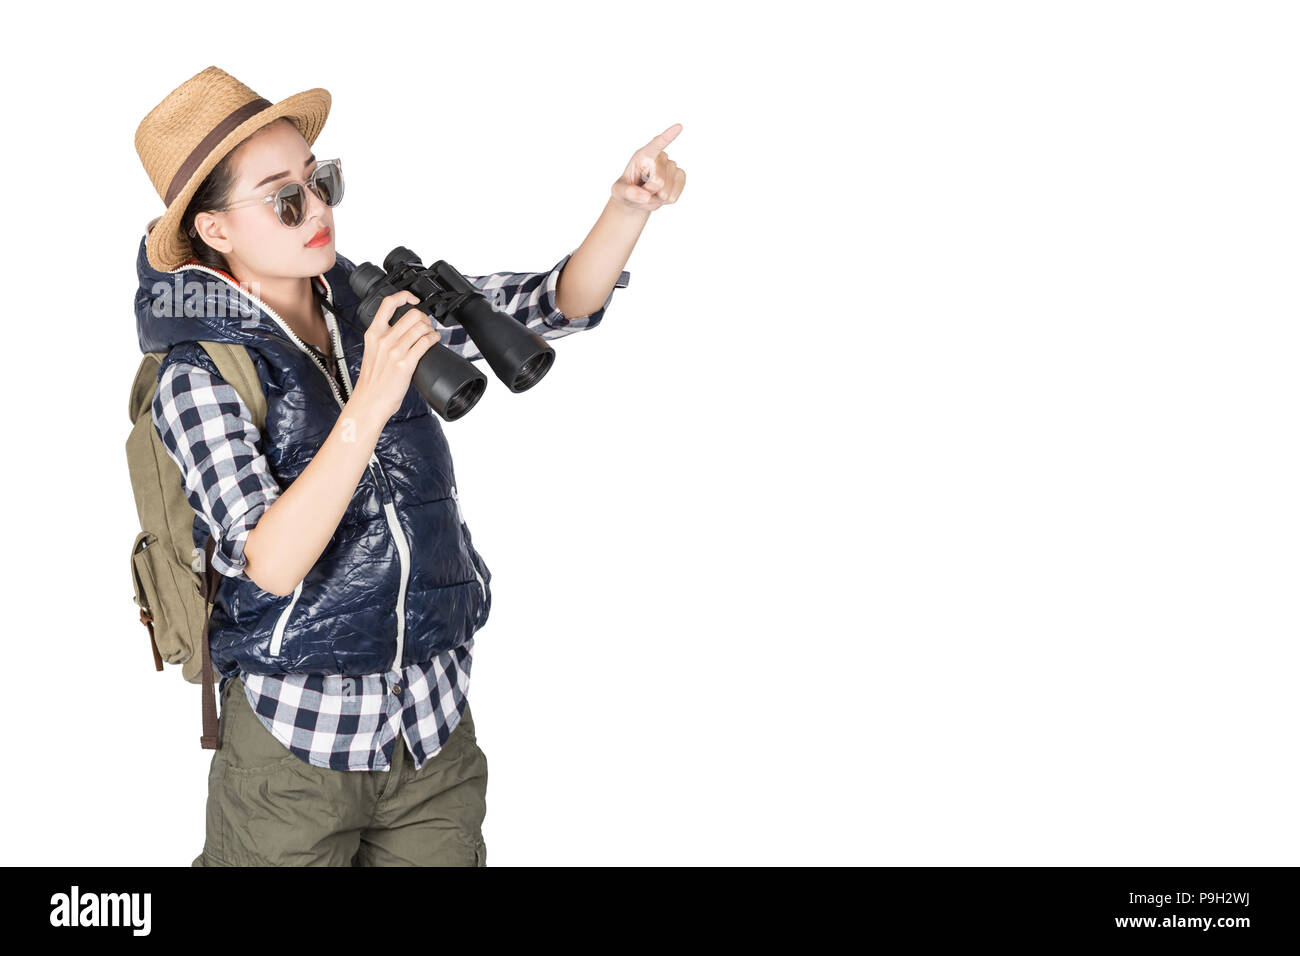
(189,132)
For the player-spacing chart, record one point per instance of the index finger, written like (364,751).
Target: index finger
(663,139)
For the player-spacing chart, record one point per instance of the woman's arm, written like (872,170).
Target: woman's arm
(208,431)
(649,180)
(271,536)
(293,532)
(589,277)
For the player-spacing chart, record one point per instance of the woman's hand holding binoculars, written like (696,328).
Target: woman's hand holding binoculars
(392,352)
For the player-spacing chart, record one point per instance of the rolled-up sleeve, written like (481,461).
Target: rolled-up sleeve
(530,298)
(209,432)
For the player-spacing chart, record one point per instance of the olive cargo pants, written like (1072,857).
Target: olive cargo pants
(268,807)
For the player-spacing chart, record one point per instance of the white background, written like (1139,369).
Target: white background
(928,497)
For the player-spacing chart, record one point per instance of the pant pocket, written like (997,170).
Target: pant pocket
(250,748)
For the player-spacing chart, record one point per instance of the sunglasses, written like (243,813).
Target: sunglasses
(291,199)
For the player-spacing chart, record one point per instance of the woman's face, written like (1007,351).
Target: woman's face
(256,242)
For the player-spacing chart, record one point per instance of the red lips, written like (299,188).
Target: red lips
(320,238)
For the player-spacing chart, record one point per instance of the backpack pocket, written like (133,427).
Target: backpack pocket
(161,599)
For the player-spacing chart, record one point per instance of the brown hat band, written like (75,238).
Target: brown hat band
(216,135)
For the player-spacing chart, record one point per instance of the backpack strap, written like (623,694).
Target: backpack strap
(145,384)
(236,367)
(210,739)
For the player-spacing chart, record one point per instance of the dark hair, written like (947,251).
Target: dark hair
(213,193)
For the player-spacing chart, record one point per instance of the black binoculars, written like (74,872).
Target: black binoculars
(450,383)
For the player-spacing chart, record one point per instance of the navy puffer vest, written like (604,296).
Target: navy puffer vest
(400,580)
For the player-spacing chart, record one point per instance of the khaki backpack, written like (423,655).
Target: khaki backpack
(174,581)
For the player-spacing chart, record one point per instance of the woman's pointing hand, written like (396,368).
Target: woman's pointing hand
(651,179)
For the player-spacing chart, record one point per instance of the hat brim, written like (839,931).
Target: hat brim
(166,247)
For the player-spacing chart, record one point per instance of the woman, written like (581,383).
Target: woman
(350,587)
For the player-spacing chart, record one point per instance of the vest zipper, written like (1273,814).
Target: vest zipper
(399,536)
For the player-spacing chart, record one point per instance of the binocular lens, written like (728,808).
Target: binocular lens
(532,370)
(465,398)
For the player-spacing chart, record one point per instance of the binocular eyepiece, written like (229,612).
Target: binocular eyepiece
(450,383)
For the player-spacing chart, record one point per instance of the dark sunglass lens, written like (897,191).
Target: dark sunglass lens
(291,203)
(328,181)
